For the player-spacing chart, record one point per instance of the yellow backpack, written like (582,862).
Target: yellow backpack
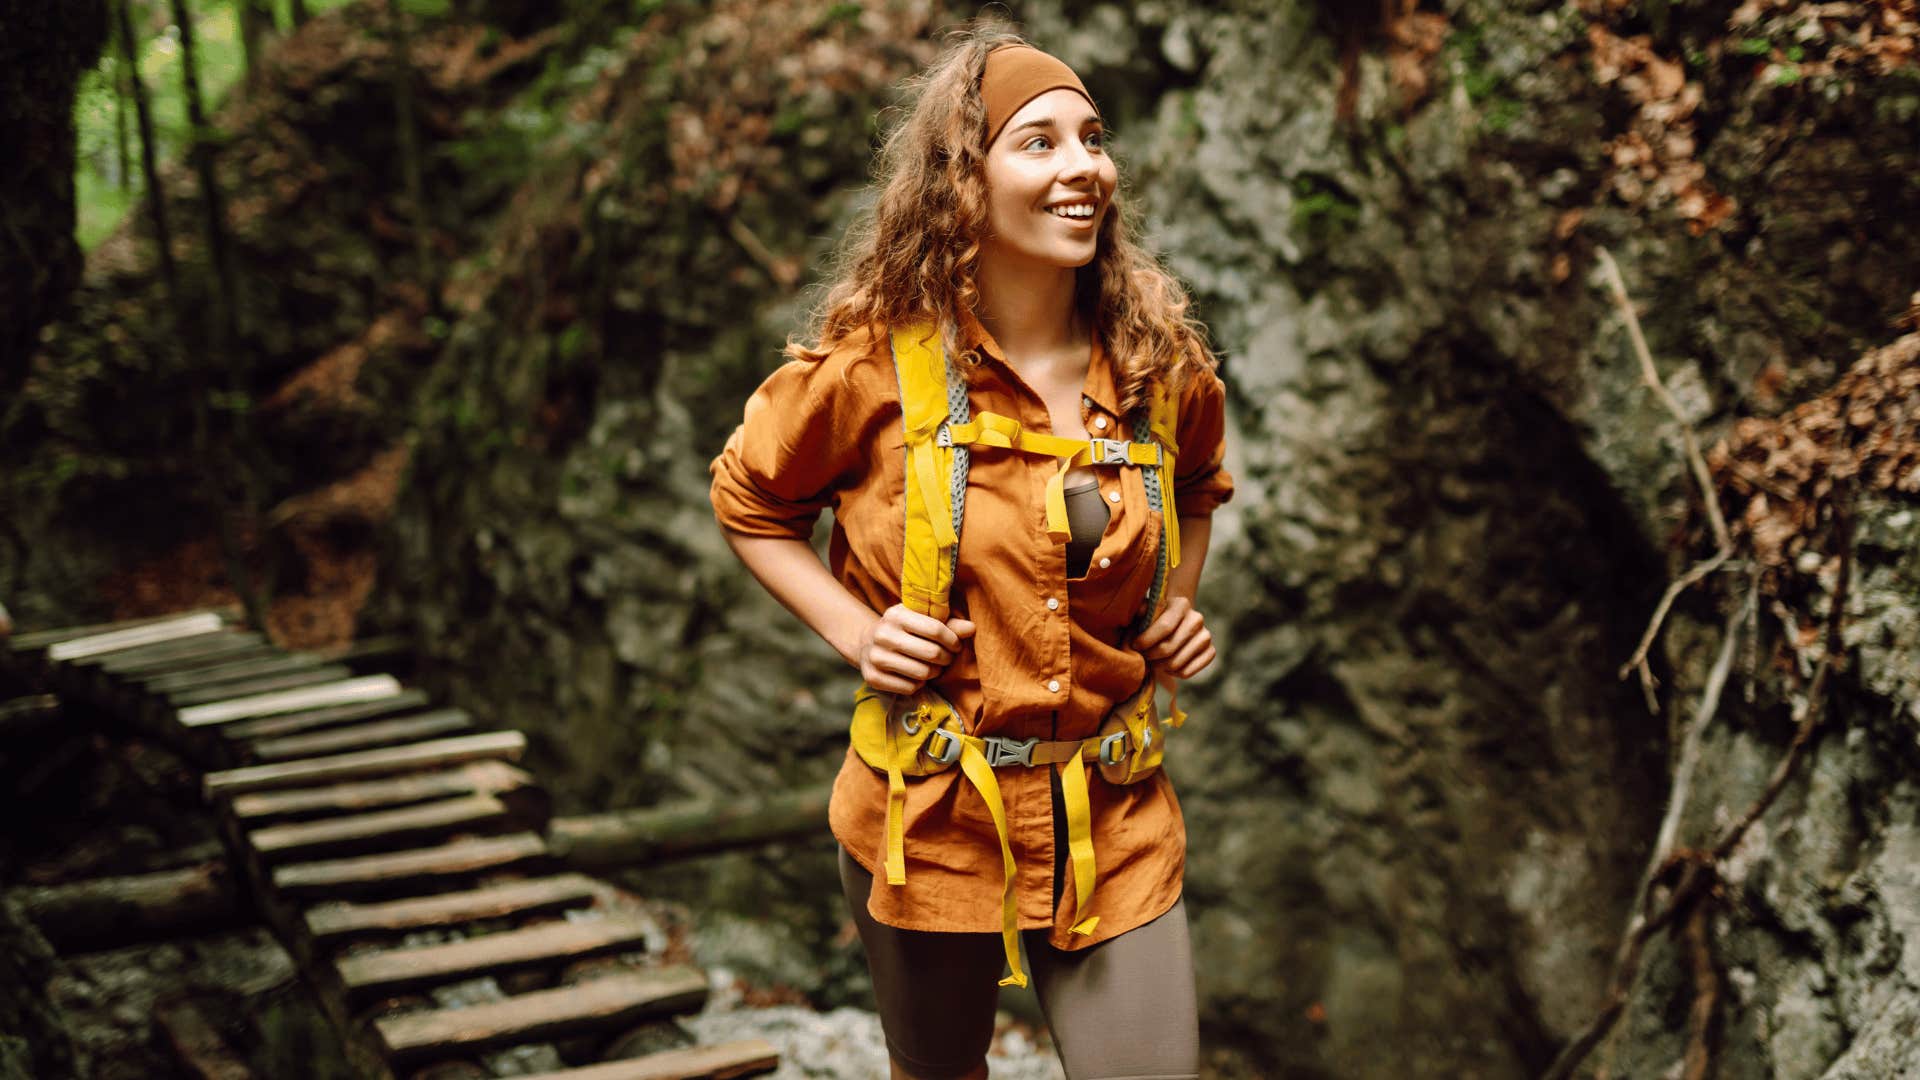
(916,734)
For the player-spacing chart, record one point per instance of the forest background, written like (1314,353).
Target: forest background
(1568,705)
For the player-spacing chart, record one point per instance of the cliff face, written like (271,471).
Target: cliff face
(1420,797)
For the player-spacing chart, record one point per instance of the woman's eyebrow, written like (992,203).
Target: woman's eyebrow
(1047,121)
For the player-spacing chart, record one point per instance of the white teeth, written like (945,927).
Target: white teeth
(1077,210)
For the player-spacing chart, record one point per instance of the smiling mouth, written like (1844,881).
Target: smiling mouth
(1073,211)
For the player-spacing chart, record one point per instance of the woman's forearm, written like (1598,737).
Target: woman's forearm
(797,578)
(1184,580)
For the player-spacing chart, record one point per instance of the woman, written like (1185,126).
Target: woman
(999,221)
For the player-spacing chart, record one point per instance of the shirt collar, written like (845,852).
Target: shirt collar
(1099,385)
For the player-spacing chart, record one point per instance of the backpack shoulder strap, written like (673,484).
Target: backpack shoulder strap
(936,474)
(1158,422)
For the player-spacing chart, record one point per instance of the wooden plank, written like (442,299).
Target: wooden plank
(165,682)
(474,778)
(382,830)
(721,1061)
(401,729)
(365,688)
(600,1004)
(366,764)
(235,689)
(307,719)
(35,640)
(400,871)
(549,944)
(182,655)
(170,629)
(198,1045)
(336,922)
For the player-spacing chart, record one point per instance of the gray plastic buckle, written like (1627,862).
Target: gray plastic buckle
(951,752)
(1002,751)
(1113,748)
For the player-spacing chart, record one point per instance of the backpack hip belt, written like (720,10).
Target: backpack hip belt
(920,733)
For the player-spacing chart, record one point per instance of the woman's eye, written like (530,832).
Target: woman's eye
(1035,139)
(1096,138)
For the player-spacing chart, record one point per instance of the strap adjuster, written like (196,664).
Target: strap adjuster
(1004,751)
(950,752)
(943,435)
(1113,748)
(1114,452)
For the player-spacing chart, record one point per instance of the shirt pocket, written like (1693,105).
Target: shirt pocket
(1112,595)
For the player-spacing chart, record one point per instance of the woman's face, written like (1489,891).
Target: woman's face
(1047,169)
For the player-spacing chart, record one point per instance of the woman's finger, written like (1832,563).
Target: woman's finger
(1198,665)
(903,641)
(1190,649)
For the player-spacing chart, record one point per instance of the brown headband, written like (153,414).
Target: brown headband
(1015,75)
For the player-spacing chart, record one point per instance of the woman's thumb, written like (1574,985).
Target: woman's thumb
(960,626)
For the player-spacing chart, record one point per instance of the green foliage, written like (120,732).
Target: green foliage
(105,189)
(1753,46)
(1469,45)
(1322,208)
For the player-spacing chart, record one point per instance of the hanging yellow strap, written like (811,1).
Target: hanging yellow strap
(1073,789)
(896,807)
(974,763)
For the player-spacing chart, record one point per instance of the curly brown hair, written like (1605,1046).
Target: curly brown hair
(914,255)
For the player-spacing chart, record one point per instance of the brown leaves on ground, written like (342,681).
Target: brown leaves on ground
(754,71)
(328,382)
(1871,37)
(1653,161)
(337,565)
(1781,475)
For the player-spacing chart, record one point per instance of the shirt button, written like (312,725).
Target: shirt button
(1052,604)
(1100,423)
(1105,562)
(1053,685)
(1113,496)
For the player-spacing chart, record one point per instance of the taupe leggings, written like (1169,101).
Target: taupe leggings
(1122,1008)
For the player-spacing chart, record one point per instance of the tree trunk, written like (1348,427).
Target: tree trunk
(149,169)
(255,20)
(408,135)
(223,329)
(626,839)
(43,50)
(297,13)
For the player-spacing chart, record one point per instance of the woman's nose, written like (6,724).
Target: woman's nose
(1078,161)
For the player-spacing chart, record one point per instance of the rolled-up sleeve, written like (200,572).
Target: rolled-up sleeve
(794,447)
(1200,483)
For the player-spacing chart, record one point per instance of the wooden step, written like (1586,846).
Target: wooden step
(401,729)
(496,778)
(365,688)
(365,764)
(548,944)
(383,830)
(414,871)
(168,629)
(272,727)
(197,651)
(603,1004)
(166,682)
(721,1061)
(339,922)
(35,640)
(235,689)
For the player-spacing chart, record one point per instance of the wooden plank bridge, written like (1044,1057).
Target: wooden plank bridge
(394,850)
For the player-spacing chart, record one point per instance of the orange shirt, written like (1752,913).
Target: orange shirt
(829,434)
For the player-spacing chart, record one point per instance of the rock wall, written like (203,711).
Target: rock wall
(1421,797)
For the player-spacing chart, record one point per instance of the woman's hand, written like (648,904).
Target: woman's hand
(903,648)
(1180,637)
